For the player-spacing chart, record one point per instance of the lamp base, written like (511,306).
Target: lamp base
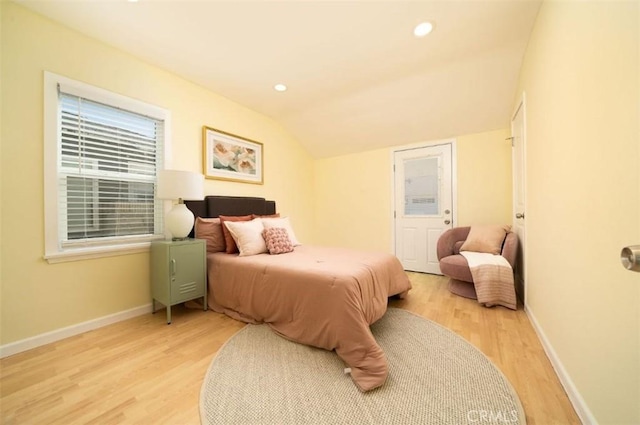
(179,222)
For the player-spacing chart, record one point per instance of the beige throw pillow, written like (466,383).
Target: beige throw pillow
(486,238)
(230,243)
(248,236)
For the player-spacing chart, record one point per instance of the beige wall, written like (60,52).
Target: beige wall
(353,193)
(38,297)
(580,75)
(353,201)
(484,178)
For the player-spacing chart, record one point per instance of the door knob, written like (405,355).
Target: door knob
(447,222)
(519,215)
(630,257)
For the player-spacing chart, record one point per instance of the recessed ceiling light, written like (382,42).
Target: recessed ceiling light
(423,29)
(280,87)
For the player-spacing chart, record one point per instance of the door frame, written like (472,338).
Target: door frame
(521,104)
(454,180)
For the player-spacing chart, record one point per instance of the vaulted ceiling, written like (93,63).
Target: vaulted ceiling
(357,77)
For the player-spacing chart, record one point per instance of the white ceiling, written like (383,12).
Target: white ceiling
(358,79)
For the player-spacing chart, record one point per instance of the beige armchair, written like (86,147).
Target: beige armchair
(455,266)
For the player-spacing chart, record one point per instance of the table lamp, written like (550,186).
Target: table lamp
(180,185)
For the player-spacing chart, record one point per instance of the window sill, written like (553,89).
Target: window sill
(79,254)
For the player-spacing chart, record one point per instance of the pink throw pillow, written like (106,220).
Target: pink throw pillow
(277,240)
(210,229)
(276,215)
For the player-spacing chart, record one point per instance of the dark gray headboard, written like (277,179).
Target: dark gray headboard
(214,206)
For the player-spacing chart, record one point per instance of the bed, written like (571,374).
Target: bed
(319,296)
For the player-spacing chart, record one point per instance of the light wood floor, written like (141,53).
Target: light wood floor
(144,372)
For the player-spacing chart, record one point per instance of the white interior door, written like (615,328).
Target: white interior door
(423,204)
(518,138)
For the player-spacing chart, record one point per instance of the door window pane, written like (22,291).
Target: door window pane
(421,186)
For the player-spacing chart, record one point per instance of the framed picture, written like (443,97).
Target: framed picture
(230,157)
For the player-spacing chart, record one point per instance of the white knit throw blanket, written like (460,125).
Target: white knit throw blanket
(492,278)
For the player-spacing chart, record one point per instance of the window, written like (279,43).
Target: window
(102,154)
(421,186)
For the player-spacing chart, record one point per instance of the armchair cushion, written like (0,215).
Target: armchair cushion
(487,239)
(456,267)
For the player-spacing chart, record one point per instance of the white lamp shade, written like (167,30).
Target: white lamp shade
(175,184)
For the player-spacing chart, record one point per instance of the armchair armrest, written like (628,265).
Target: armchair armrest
(448,239)
(510,248)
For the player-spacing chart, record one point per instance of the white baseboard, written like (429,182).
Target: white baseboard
(53,336)
(583,411)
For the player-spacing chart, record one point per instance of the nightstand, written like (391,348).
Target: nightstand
(178,272)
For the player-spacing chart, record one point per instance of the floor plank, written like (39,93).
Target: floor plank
(145,372)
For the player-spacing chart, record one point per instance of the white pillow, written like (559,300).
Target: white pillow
(248,236)
(285,224)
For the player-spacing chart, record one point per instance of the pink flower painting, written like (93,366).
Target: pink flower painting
(227,156)
(230,157)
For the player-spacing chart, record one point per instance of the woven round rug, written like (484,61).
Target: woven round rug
(435,377)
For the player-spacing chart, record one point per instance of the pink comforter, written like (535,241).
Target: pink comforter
(323,297)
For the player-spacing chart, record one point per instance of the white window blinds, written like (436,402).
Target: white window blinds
(107,165)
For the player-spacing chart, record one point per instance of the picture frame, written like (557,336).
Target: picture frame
(231,157)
